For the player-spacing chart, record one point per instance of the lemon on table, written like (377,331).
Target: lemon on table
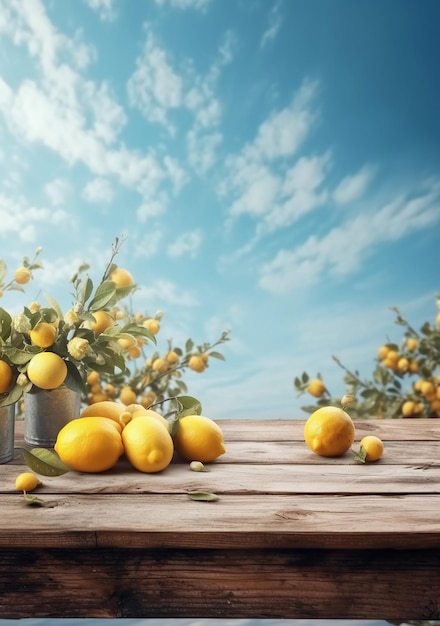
(329,431)
(27,482)
(90,444)
(370,449)
(104,408)
(199,438)
(148,444)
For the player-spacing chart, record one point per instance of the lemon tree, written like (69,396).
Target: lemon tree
(405,381)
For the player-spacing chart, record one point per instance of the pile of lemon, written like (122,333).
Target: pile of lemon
(106,430)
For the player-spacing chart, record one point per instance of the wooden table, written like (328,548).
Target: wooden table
(293,535)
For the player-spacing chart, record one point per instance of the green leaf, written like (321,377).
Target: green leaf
(33,500)
(86,290)
(203,496)
(305,378)
(54,305)
(104,293)
(5,324)
(361,455)
(188,406)
(44,462)
(73,379)
(14,395)
(217,355)
(189,345)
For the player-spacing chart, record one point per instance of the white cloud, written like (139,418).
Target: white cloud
(74,117)
(341,250)
(104,8)
(186,243)
(353,187)
(149,245)
(98,191)
(275,23)
(23,221)
(57,190)
(155,88)
(165,294)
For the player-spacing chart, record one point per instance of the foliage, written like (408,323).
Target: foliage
(87,350)
(404,382)
(154,379)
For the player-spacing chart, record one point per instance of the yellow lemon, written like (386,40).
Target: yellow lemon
(370,448)
(47,370)
(5,376)
(22,275)
(152,325)
(104,408)
(148,444)
(197,363)
(121,277)
(90,444)
(142,411)
(103,320)
(316,388)
(199,438)
(127,395)
(27,482)
(43,335)
(329,431)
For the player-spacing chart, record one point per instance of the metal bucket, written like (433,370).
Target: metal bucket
(7,431)
(46,412)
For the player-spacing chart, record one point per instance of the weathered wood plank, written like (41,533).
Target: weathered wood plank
(417,429)
(228,478)
(121,583)
(235,520)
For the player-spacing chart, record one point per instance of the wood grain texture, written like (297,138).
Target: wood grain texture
(293,535)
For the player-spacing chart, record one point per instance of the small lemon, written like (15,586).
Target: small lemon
(122,277)
(5,376)
(316,388)
(197,363)
(22,275)
(43,335)
(199,438)
(370,449)
(329,431)
(148,444)
(27,482)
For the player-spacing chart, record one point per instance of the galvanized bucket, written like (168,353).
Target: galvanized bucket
(46,412)
(7,431)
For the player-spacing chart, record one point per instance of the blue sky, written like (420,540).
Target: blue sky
(274,166)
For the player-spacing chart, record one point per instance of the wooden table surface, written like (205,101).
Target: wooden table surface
(293,535)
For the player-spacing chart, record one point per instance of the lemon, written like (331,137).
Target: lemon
(148,444)
(370,449)
(197,363)
(103,320)
(104,408)
(121,277)
(22,275)
(90,444)
(329,431)
(152,325)
(316,388)
(43,335)
(127,395)
(199,438)
(27,482)
(5,376)
(47,370)
(160,418)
